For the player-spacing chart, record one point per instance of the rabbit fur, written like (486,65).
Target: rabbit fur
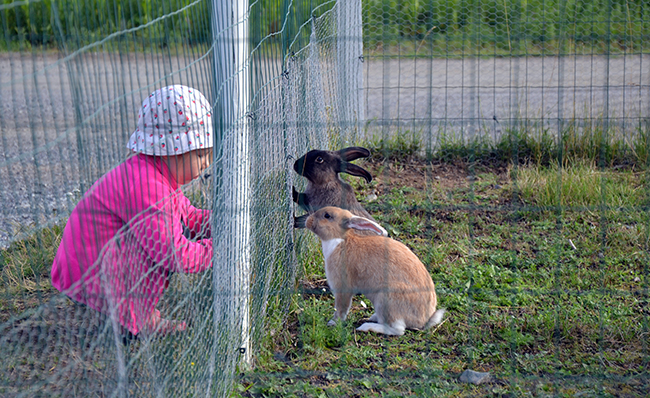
(383,269)
(325,187)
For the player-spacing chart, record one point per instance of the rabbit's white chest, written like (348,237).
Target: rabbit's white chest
(328,248)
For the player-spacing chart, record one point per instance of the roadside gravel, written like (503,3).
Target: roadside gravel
(63,124)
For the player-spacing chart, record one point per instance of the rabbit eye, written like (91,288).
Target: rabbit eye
(319,159)
(327,215)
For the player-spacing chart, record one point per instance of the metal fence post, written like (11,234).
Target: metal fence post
(231,217)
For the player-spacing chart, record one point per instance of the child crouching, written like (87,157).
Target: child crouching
(125,236)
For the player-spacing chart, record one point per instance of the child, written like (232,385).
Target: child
(125,236)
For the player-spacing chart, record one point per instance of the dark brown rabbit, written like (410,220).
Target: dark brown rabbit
(325,187)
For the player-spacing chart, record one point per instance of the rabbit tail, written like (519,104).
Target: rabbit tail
(435,319)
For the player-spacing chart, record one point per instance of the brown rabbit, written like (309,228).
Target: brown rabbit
(384,270)
(325,187)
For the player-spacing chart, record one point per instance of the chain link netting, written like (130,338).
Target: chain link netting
(480,81)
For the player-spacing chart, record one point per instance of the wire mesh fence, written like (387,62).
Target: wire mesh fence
(509,147)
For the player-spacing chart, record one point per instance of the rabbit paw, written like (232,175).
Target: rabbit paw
(397,330)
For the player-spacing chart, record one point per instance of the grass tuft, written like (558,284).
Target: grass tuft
(25,264)
(579,184)
(604,146)
(546,301)
(400,146)
(542,266)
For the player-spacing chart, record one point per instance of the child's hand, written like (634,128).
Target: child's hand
(156,325)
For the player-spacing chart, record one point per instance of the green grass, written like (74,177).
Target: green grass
(404,28)
(552,300)
(63,24)
(580,185)
(605,147)
(479,27)
(25,264)
(541,264)
(395,147)
(25,272)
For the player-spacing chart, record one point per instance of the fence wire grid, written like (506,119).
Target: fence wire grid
(509,146)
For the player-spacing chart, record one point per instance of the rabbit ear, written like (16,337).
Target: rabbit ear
(353,152)
(355,170)
(363,224)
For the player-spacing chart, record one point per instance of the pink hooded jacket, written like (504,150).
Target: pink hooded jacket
(125,236)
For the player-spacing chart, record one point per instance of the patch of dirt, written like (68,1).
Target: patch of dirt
(315,288)
(420,174)
(15,303)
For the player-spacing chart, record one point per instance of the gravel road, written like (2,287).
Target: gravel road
(65,122)
(458,90)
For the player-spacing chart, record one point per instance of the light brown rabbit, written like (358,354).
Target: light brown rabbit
(384,270)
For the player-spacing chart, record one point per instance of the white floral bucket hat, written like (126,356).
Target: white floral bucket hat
(172,121)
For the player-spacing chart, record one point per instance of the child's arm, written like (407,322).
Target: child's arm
(161,235)
(198,222)
(158,229)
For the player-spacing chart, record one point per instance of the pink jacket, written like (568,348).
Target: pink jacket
(125,236)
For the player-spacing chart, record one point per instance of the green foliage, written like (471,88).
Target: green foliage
(421,27)
(596,143)
(76,23)
(580,185)
(401,145)
(285,22)
(316,335)
(507,27)
(25,264)
(25,271)
(544,300)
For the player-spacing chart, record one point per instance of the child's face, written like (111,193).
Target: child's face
(190,165)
